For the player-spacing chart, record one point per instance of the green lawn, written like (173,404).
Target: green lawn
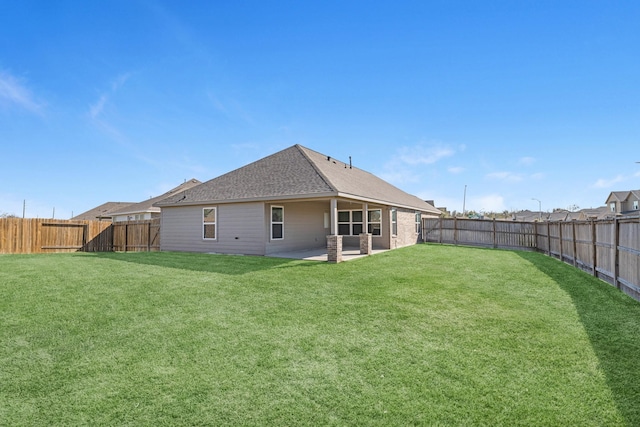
(426,335)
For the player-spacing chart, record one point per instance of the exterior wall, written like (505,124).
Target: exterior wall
(303,227)
(240,229)
(135,217)
(407,234)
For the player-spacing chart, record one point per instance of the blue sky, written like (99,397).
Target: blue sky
(516,100)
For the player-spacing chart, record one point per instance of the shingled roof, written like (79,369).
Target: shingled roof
(295,173)
(148,205)
(104,211)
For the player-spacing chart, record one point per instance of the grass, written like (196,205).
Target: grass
(426,335)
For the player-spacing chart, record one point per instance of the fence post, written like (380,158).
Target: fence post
(594,248)
(441,220)
(575,245)
(548,239)
(149,237)
(126,236)
(495,241)
(560,238)
(616,242)
(455,230)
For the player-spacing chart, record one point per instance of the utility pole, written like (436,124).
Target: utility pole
(464,201)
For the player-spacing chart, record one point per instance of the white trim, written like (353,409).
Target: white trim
(272,222)
(394,221)
(214,223)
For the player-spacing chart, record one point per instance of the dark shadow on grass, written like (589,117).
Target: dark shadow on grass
(212,263)
(612,321)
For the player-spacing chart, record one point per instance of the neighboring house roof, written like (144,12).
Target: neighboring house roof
(617,196)
(148,205)
(601,212)
(294,173)
(103,211)
(557,216)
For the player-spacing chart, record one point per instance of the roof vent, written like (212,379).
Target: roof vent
(328,158)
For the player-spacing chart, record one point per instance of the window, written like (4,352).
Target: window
(350,223)
(209,223)
(418,221)
(277,222)
(635,205)
(344,223)
(374,219)
(612,206)
(394,221)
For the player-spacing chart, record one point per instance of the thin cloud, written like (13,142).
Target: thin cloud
(526,161)
(456,170)
(95,109)
(14,94)
(505,176)
(424,155)
(608,183)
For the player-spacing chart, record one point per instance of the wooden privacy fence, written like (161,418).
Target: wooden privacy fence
(607,249)
(24,236)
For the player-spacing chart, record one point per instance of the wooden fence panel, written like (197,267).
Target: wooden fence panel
(605,258)
(25,236)
(629,258)
(136,236)
(566,241)
(33,235)
(584,244)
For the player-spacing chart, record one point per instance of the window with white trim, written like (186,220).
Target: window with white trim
(350,223)
(209,231)
(612,206)
(374,222)
(394,221)
(418,221)
(277,222)
(635,205)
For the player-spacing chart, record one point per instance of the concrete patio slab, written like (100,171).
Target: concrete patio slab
(320,254)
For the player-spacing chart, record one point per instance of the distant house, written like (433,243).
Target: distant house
(596,213)
(561,215)
(102,212)
(624,202)
(146,209)
(295,199)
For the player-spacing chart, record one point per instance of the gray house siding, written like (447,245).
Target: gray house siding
(303,227)
(239,229)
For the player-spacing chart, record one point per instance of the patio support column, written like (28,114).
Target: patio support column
(334,240)
(365,218)
(334,249)
(365,244)
(333,211)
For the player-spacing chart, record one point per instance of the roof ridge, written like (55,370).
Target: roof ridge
(314,166)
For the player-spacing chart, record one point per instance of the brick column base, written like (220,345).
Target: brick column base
(366,246)
(334,249)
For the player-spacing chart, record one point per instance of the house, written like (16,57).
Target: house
(102,212)
(601,212)
(624,203)
(146,209)
(295,199)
